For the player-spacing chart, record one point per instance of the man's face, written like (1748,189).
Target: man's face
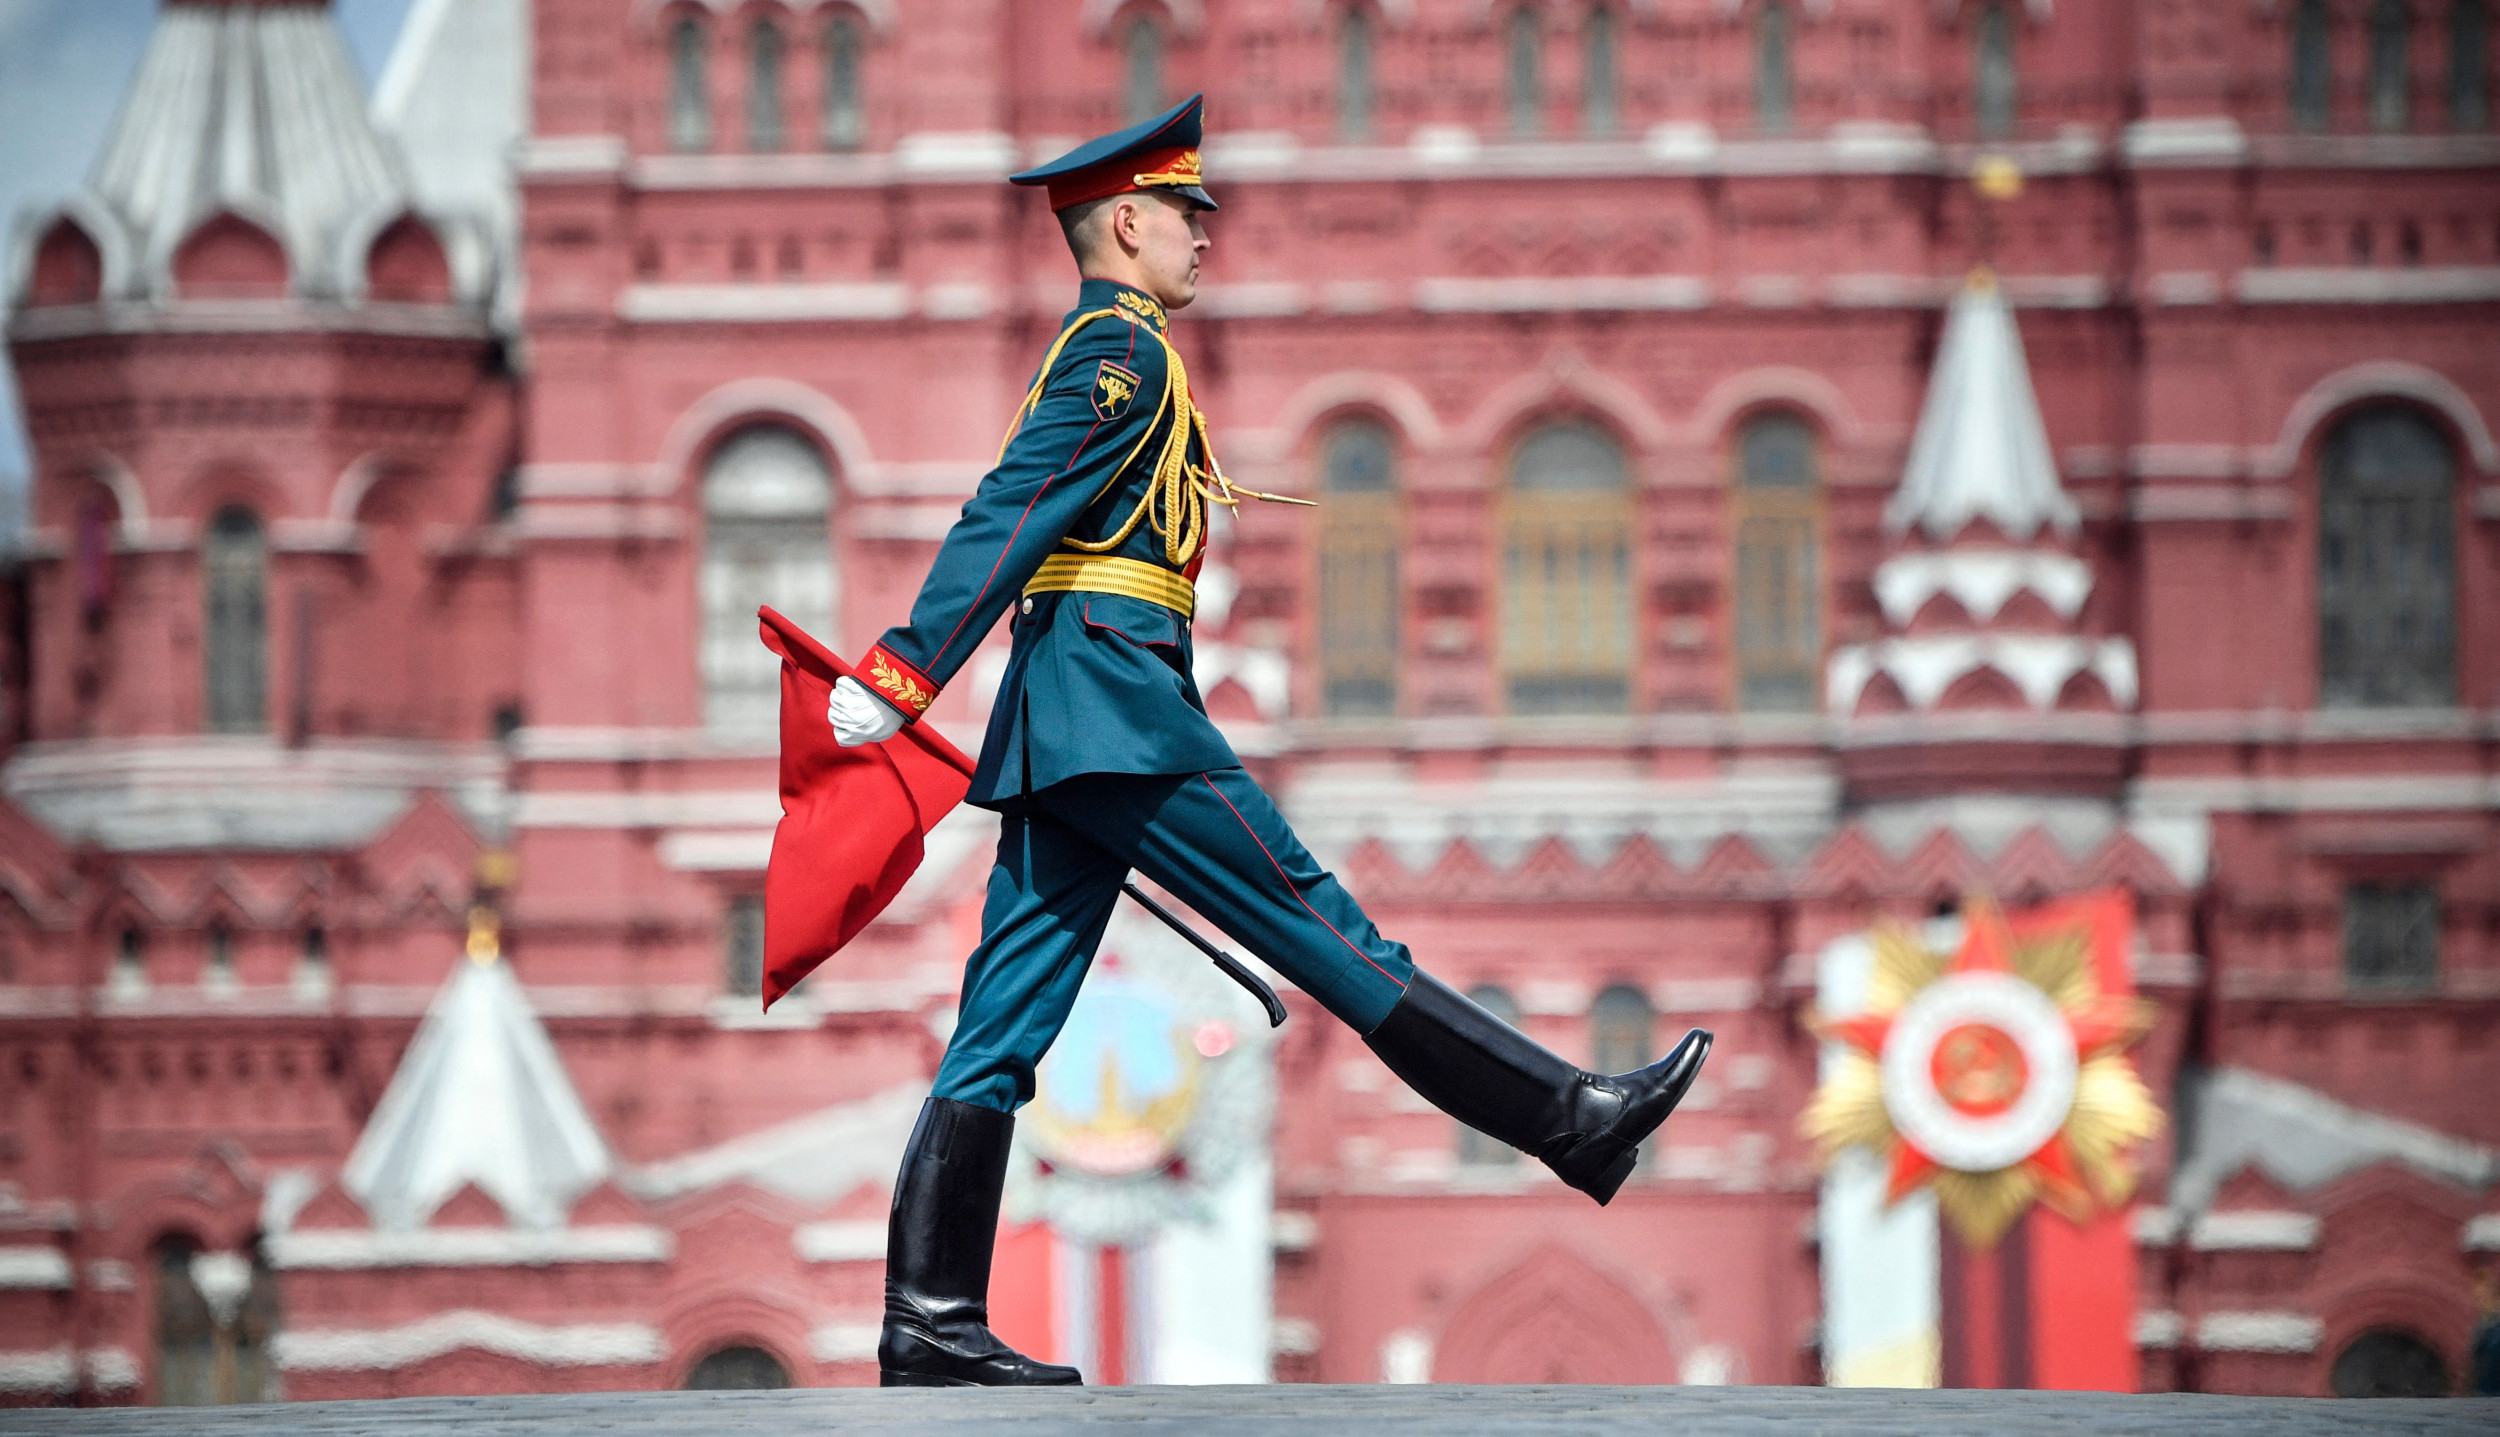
(1170,238)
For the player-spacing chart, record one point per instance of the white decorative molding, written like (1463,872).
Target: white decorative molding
(1540,295)
(742,401)
(2322,794)
(1926,665)
(1323,396)
(1189,17)
(859,1241)
(1705,995)
(2482,1233)
(1253,299)
(600,523)
(955,155)
(1292,1336)
(1981,581)
(53,1371)
(2381,379)
(2453,284)
(846,1341)
(2190,142)
(1565,379)
(2268,1332)
(39,1268)
(685,808)
(2159,1329)
(565,157)
(618,1344)
(351,1248)
(733,850)
(764,303)
(2249,1231)
(958,300)
(1289,1230)
(2185,287)
(2155,1226)
(1766,385)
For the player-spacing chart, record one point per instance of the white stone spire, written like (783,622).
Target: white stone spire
(482,1098)
(1981,451)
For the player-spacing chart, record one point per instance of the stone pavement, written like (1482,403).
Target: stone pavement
(1301,1411)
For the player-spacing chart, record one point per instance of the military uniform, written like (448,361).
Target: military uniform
(1101,759)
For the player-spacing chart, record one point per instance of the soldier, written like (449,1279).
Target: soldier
(1100,759)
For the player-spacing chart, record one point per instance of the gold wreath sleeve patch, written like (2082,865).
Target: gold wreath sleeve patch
(1115,389)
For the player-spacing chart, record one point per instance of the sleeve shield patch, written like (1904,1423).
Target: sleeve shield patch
(1114,390)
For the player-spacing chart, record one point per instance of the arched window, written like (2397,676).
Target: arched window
(130,963)
(1567,573)
(765,49)
(1774,80)
(2391,73)
(186,1332)
(234,567)
(1475,1149)
(1144,47)
(2469,65)
(742,946)
(766,498)
(2313,65)
(1619,1023)
(689,86)
(1524,72)
(1358,571)
(738,1369)
(220,967)
(1993,95)
(2390,1362)
(2387,585)
(216,1320)
(1777,522)
(1355,85)
(846,106)
(1601,87)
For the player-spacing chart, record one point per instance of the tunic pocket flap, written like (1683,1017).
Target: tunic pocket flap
(1135,620)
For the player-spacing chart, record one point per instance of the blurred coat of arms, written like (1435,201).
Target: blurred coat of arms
(1997,1074)
(1158,1089)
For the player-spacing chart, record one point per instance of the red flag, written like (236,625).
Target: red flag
(852,819)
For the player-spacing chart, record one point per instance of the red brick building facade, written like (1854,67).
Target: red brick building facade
(407,475)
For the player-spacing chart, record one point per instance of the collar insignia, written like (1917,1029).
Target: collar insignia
(1131,302)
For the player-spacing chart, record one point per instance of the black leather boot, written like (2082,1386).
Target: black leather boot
(1587,1127)
(937,1258)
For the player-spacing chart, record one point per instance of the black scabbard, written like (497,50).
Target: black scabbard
(1233,967)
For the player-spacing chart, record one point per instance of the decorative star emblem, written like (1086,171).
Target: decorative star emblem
(1997,1075)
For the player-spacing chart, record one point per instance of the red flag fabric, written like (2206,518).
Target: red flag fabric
(852,819)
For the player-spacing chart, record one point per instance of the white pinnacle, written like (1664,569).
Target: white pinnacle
(1981,451)
(481,1097)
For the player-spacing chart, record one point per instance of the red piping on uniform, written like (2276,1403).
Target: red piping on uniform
(1129,353)
(1297,893)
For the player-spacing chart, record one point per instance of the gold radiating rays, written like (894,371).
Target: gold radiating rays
(2088,1165)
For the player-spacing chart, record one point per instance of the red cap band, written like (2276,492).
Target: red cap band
(1137,171)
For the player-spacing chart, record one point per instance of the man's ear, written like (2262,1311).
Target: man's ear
(1127,224)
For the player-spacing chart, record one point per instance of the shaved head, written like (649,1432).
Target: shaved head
(1087,226)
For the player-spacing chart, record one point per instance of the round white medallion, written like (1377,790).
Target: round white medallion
(1979,1071)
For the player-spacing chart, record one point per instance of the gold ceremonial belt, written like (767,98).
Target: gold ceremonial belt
(1128,578)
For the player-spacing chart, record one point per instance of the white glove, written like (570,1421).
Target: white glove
(859,716)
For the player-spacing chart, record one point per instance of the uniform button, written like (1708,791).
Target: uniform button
(1028,606)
